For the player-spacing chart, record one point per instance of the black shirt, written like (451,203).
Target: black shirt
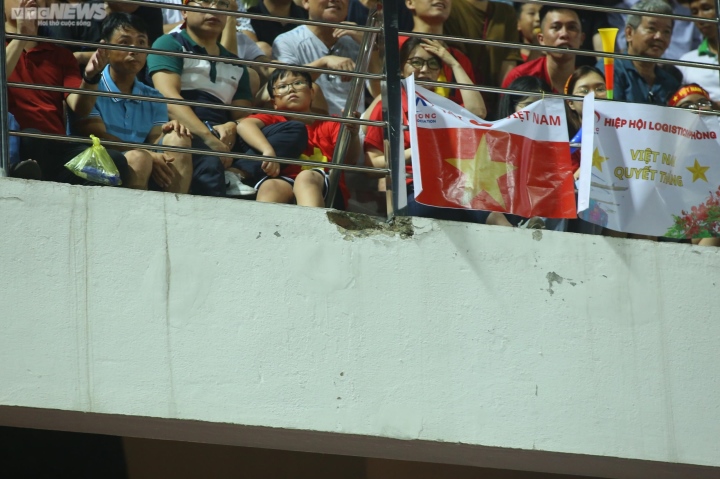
(267,30)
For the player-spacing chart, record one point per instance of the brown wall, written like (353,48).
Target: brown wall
(152,459)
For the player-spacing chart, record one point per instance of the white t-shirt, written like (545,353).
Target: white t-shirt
(708,79)
(300,46)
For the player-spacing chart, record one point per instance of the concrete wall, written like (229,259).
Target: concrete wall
(232,322)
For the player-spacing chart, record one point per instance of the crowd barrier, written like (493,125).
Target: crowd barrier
(382,25)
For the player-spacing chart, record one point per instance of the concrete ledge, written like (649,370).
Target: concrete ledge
(426,339)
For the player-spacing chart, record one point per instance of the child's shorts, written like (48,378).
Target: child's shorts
(326,180)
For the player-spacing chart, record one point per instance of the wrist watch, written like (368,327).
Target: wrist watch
(92,81)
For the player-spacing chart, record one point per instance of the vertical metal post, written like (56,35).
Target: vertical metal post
(4,137)
(717,27)
(357,93)
(392,111)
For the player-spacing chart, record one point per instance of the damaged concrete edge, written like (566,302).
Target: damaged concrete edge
(356,225)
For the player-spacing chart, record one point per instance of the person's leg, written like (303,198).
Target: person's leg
(275,190)
(182,165)
(208,176)
(140,164)
(308,188)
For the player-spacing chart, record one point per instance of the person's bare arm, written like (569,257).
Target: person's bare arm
(14,49)
(250,130)
(228,38)
(375,158)
(82,105)
(94,125)
(472,100)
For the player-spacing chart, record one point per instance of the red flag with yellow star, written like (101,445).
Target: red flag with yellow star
(519,165)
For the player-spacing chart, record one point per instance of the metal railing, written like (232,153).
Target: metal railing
(384,25)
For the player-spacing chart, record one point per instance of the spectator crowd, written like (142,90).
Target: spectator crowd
(210,87)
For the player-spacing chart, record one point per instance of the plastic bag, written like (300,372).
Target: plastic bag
(94,164)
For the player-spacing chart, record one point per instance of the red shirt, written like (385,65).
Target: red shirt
(463,60)
(374,137)
(322,136)
(46,64)
(534,68)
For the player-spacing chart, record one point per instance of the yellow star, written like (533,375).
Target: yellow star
(598,160)
(316,156)
(482,174)
(698,171)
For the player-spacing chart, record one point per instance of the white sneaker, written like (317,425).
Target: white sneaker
(235,187)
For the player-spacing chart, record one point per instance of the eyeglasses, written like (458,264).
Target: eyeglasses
(219,4)
(582,91)
(418,63)
(284,88)
(697,105)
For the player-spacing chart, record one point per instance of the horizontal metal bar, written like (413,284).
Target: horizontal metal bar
(543,48)
(197,151)
(252,16)
(622,11)
(174,101)
(234,61)
(502,91)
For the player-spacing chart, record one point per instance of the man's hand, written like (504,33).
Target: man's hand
(162,173)
(177,127)
(228,133)
(353,128)
(27,25)
(215,144)
(97,62)
(340,63)
(354,34)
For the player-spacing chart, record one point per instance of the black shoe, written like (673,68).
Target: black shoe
(27,169)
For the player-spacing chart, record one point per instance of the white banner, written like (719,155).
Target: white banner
(649,169)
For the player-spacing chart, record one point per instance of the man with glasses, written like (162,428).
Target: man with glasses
(203,80)
(707,52)
(645,82)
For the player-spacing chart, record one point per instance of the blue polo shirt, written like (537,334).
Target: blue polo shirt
(630,86)
(14,140)
(129,120)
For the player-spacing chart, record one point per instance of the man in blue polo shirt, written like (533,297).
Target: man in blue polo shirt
(136,121)
(206,81)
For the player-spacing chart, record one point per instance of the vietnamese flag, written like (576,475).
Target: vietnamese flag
(519,165)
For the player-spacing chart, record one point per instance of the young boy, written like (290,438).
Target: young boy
(268,135)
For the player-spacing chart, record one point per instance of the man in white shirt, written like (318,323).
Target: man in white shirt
(707,52)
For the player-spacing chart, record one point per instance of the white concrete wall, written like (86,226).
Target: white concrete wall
(219,311)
